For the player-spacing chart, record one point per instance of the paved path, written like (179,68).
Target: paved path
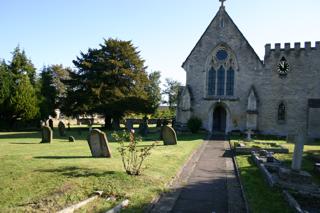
(207,184)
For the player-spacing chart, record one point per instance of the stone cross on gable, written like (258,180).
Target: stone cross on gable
(222,2)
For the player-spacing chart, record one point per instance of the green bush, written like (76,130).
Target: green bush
(194,124)
(132,155)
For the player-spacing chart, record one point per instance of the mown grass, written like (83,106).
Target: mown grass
(260,196)
(38,177)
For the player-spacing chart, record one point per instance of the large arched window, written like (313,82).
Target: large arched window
(230,82)
(212,82)
(282,112)
(221,79)
(221,76)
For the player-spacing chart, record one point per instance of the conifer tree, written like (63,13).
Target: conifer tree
(110,80)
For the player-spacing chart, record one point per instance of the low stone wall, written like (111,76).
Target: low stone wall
(248,150)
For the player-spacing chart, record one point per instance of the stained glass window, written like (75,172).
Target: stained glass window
(211,82)
(230,82)
(222,55)
(281,112)
(221,78)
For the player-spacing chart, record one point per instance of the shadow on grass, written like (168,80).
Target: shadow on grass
(13,135)
(72,171)
(24,143)
(61,157)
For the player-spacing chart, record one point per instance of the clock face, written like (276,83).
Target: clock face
(283,67)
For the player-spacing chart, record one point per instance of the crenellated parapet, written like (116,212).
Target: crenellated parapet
(287,48)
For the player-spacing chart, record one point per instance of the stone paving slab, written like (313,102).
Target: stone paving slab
(209,186)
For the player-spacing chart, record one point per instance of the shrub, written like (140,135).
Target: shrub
(131,154)
(194,124)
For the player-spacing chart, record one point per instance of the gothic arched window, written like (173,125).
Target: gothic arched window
(230,82)
(212,82)
(221,78)
(281,112)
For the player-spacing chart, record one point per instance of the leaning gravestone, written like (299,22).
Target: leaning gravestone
(46,134)
(298,152)
(98,144)
(168,135)
(62,128)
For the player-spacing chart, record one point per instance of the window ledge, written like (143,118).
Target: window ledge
(222,98)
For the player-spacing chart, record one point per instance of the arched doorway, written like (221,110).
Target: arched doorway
(219,119)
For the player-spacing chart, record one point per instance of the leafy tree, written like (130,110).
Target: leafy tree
(171,91)
(154,91)
(110,80)
(52,89)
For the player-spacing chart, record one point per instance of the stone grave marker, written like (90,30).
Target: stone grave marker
(46,134)
(62,128)
(168,135)
(51,124)
(298,152)
(72,139)
(98,144)
(249,134)
(129,124)
(143,127)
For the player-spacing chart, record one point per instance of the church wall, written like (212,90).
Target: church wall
(249,65)
(300,84)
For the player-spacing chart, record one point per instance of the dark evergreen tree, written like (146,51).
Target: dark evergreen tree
(21,65)
(110,80)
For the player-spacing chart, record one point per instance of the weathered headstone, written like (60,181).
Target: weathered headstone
(249,133)
(143,127)
(71,139)
(62,128)
(46,134)
(298,152)
(51,124)
(129,124)
(168,135)
(98,144)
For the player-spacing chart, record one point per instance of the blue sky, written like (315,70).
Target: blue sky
(165,31)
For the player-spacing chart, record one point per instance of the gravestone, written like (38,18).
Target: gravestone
(62,128)
(46,134)
(143,127)
(249,133)
(168,135)
(98,144)
(298,152)
(71,139)
(129,124)
(51,124)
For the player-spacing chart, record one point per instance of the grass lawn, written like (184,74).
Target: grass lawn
(48,177)
(260,196)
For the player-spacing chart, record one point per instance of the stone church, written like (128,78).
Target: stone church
(231,89)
